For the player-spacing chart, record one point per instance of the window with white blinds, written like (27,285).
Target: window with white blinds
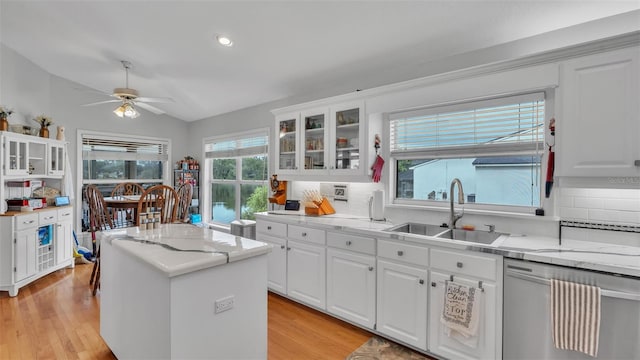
(236,171)
(493,146)
(515,122)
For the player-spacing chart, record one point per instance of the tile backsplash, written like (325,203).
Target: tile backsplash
(611,206)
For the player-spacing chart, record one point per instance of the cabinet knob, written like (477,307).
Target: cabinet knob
(459,264)
(421,281)
(268,227)
(282,246)
(433,284)
(348,242)
(288,248)
(304,234)
(370,268)
(400,252)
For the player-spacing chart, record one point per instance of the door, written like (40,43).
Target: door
(314,141)
(287,146)
(440,343)
(56,159)
(402,303)
(351,286)
(276,264)
(25,260)
(306,277)
(599,128)
(63,241)
(347,134)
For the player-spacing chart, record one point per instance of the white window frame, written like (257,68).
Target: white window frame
(207,173)
(456,153)
(80,181)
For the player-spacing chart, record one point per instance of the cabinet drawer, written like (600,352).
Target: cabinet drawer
(65,214)
(47,217)
(26,221)
(272,228)
(306,234)
(403,252)
(351,242)
(464,263)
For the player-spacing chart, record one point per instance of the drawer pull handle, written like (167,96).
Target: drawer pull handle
(268,227)
(28,222)
(400,252)
(282,246)
(304,234)
(348,242)
(370,268)
(48,218)
(433,284)
(288,248)
(459,264)
(421,281)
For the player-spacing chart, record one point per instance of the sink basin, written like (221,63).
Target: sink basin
(477,236)
(417,229)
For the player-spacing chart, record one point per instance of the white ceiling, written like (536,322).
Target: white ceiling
(282,48)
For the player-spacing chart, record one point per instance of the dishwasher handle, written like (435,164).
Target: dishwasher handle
(540,280)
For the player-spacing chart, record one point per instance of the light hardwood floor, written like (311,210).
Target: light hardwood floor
(56,317)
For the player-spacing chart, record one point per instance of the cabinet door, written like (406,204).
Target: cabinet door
(347,134)
(276,264)
(63,241)
(314,140)
(597,134)
(16,152)
(402,303)
(287,145)
(25,257)
(306,277)
(56,160)
(488,335)
(351,286)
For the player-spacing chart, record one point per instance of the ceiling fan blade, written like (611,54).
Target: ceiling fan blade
(154,100)
(153,109)
(101,102)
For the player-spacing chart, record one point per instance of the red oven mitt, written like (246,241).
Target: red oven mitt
(377,168)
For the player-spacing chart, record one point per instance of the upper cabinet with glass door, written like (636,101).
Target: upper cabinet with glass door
(314,140)
(348,139)
(287,146)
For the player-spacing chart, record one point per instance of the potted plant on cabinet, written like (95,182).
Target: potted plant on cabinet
(44,122)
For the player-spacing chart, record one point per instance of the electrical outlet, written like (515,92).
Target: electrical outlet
(224,304)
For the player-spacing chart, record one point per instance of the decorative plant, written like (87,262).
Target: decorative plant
(44,121)
(5,112)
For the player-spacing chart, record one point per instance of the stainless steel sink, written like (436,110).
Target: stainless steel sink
(477,236)
(417,229)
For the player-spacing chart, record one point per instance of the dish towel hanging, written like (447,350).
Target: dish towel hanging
(461,312)
(575,316)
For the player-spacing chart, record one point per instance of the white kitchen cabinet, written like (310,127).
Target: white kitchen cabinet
(276,263)
(482,271)
(64,235)
(287,144)
(351,286)
(598,128)
(348,140)
(56,156)
(402,302)
(16,152)
(25,257)
(315,141)
(306,273)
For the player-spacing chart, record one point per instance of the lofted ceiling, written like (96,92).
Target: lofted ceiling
(281,48)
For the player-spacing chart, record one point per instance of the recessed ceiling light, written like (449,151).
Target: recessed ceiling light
(224,41)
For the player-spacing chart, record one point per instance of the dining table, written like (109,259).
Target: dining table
(124,203)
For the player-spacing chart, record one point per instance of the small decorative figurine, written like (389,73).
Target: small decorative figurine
(60,134)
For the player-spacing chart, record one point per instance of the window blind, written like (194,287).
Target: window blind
(482,126)
(97,147)
(228,147)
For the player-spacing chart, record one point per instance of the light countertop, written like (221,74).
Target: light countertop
(177,249)
(573,252)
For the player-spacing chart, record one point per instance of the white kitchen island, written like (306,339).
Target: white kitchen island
(183,292)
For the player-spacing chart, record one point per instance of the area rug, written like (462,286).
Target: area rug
(380,349)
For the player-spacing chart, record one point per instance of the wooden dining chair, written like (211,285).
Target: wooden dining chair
(125,217)
(185,192)
(99,219)
(159,198)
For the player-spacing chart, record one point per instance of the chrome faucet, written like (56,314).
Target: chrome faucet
(454,217)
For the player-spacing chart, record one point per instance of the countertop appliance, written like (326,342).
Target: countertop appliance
(527,320)
(376,206)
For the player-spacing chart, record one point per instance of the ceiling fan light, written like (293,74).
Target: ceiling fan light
(126,110)
(120,110)
(224,41)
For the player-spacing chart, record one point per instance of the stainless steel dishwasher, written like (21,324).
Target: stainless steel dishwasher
(527,321)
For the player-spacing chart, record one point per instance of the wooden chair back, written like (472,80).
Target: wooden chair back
(185,192)
(99,217)
(159,198)
(127,188)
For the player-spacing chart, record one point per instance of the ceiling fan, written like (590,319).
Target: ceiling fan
(129,97)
